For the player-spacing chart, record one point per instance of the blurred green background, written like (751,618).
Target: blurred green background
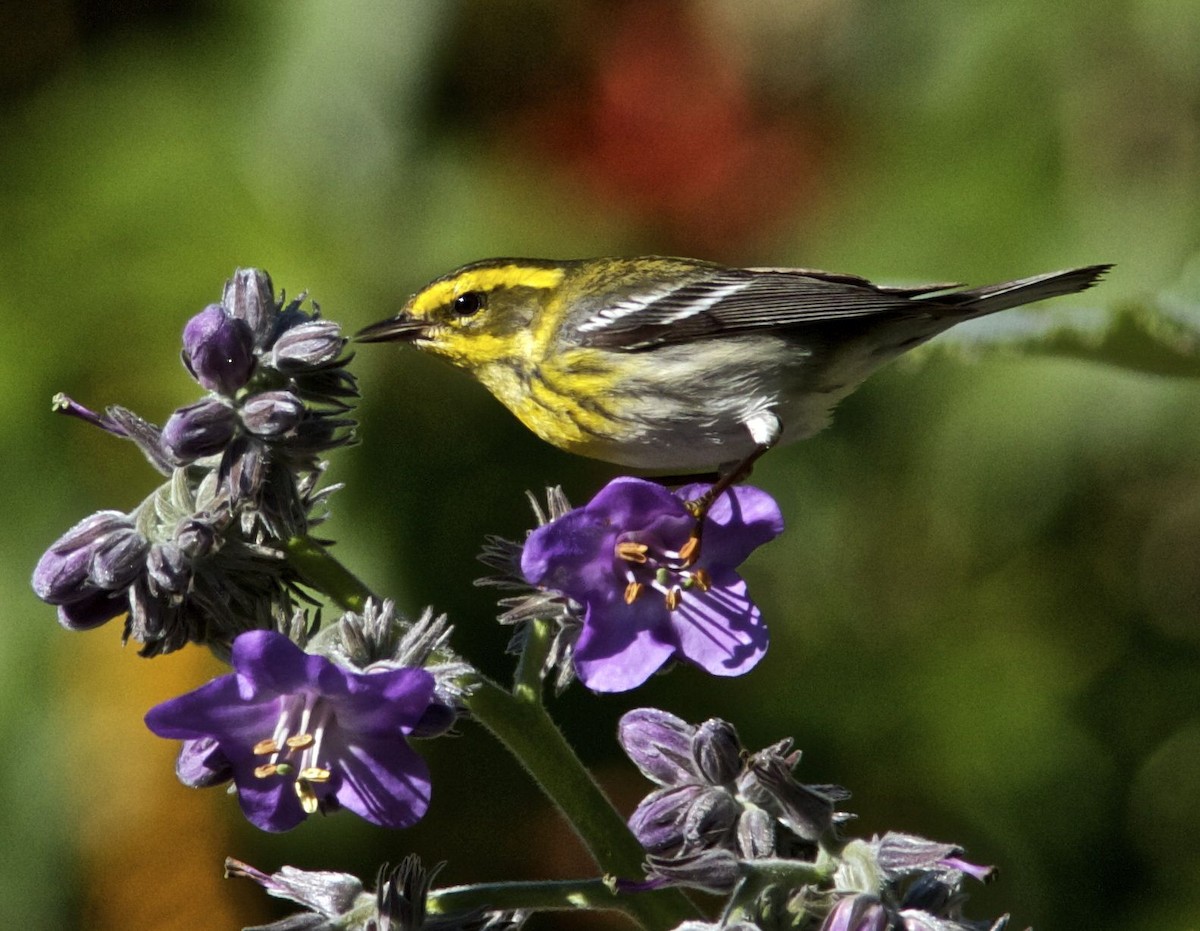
(985,610)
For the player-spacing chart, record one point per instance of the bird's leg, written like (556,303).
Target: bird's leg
(765,429)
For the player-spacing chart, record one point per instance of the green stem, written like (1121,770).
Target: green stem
(319,570)
(528,732)
(527,679)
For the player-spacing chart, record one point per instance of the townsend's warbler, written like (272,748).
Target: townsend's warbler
(678,364)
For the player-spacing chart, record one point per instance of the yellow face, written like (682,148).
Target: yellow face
(483,313)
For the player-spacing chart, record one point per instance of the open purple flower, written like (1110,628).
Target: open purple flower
(301,734)
(623,557)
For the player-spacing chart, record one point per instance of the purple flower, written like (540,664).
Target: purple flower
(301,734)
(624,557)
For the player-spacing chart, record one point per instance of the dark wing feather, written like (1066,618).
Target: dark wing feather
(736,300)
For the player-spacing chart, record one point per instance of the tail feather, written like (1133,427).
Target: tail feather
(989,299)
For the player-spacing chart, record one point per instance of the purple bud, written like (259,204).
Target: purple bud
(92,610)
(272,413)
(195,537)
(118,560)
(659,744)
(711,870)
(61,575)
(244,468)
(168,569)
(898,854)
(717,751)
(685,818)
(806,810)
(200,429)
(308,344)
(249,296)
(858,913)
(218,350)
(756,834)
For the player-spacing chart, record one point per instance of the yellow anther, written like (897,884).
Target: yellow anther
(267,769)
(299,741)
(673,597)
(690,549)
(314,774)
(308,798)
(631,551)
(266,746)
(702,579)
(632,590)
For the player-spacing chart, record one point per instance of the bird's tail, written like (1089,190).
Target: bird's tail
(989,299)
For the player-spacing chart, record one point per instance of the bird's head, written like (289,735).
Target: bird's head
(479,315)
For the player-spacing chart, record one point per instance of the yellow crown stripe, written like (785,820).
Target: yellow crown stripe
(485,279)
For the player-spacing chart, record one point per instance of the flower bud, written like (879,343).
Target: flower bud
(118,560)
(168,569)
(272,413)
(249,296)
(307,345)
(195,537)
(659,743)
(711,870)
(198,430)
(670,821)
(218,350)
(756,834)
(717,751)
(61,575)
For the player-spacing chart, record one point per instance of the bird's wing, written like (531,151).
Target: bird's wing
(735,300)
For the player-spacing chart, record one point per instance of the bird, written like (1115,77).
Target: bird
(660,363)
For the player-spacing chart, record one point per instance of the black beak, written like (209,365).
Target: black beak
(395,329)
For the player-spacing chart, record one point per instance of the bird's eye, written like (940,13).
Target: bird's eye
(468,303)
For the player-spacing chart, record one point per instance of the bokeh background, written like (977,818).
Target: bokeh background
(985,610)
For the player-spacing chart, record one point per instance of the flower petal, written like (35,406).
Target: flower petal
(268,663)
(739,521)
(627,502)
(612,658)
(720,630)
(215,709)
(572,555)
(386,703)
(384,781)
(269,804)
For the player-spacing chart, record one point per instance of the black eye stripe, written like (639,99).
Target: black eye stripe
(468,303)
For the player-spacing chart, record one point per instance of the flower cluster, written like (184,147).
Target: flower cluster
(200,559)
(637,590)
(729,821)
